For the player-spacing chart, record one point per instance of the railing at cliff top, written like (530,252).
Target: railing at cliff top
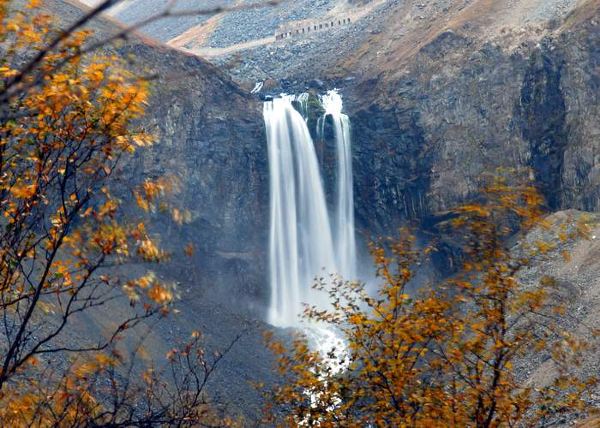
(310,28)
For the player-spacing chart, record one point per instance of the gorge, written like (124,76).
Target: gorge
(280,190)
(435,102)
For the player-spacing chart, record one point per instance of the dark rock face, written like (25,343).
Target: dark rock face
(541,116)
(422,141)
(211,138)
(395,175)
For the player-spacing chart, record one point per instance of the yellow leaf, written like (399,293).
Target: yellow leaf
(24,191)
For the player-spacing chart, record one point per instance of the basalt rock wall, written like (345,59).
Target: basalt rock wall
(210,136)
(423,140)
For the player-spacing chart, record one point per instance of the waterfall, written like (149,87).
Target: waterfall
(301,244)
(345,239)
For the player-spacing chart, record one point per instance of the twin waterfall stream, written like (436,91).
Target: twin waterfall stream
(306,239)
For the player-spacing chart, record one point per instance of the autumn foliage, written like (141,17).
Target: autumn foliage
(445,356)
(67,118)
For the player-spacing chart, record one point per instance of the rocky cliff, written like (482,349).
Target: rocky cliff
(438,94)
(441,92)
(461,105)
(210,137)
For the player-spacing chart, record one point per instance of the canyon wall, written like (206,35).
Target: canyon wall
(460,109)
(425,130)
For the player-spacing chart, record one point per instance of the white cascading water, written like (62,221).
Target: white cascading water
(302,245)
(344,234)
